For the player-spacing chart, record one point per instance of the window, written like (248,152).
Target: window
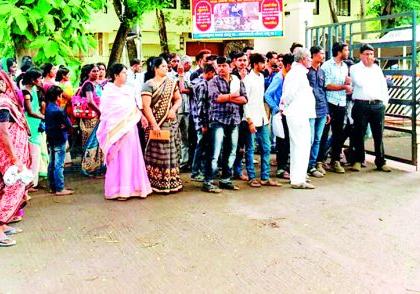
(316,8)
(185,4)
(343,7)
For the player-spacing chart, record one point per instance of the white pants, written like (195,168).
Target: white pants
(35,151)
(300,148)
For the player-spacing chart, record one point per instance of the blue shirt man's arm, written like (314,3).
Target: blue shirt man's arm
(273,94)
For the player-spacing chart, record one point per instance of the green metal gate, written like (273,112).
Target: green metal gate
(396,50)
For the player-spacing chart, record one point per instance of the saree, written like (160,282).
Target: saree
(162,157)
(92,155)
(12,198)
(126,174)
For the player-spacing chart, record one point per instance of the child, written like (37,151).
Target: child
(57,125)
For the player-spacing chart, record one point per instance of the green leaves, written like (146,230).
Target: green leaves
(54,29)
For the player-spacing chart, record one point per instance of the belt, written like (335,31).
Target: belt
(373,101)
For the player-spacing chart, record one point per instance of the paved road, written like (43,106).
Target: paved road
(358,233)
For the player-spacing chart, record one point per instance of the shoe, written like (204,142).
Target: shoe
(241,177)
(283,174)
(199,178)
(384,168)
(270,183)
(7,242)
(210,188)
(12,231)
(315,173)
(303,186)
(254,183)
(357,166)
(338,168)
(64,192)
(320,168)
(228,186)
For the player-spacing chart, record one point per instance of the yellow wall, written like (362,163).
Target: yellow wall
(178,23)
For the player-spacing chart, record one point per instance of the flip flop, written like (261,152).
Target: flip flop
(12,231)
(270,183)
(7,242)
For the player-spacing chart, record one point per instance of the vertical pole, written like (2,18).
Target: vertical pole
(413,91)
(351,40)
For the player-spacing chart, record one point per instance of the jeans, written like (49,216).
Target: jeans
(225,136)
(338,114)
(56,167)
(364,113)
(317,129)
(201,150)
(243,142)
(283,148)
(263,138)
(183,119)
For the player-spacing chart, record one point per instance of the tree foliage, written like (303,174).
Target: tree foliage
(388,7)
(50,30)
(129,13)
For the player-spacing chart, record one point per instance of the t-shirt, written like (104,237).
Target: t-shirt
(88,87)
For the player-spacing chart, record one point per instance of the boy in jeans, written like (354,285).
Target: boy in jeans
(57,125)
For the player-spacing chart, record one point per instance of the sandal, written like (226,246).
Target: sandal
(12,231)
(16,219)
(271,183)
(7,242)
(254,183)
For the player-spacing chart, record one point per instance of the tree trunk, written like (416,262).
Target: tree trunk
(119,43)
(333,11)
(131,48)
(362,17)
(22,48)
(163,35)
(388,7)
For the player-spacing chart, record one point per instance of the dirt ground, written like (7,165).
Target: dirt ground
(356,233)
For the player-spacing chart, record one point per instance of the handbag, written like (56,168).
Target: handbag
(80,105)
(160,135)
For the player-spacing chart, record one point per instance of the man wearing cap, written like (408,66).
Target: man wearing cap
(370,95)
(224,118)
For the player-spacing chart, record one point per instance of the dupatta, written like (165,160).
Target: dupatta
(119,115)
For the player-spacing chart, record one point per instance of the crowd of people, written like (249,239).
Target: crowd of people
(141,129)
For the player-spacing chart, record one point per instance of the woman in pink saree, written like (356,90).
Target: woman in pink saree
(14,151)
(117,133)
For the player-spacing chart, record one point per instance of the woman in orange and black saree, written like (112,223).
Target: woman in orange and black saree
(161,100)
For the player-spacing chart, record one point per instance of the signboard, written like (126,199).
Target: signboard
(237,19)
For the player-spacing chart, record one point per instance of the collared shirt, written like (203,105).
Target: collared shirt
(335,74)
(200,103)
(316,79)
(299,100)
(369,83)
(136,81)
(185,106)
(274,92)
(224,113)
(254,109)
(57,124)
(196,74)
(268,78)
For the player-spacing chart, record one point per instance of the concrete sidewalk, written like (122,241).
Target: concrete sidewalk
(356,233)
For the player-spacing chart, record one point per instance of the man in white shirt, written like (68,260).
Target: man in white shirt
(258,123)
(299,107)
(370,95)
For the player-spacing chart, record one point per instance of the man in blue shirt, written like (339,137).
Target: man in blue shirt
(316,79)
(337,83)
(273,98)
(224,119)
(57,125)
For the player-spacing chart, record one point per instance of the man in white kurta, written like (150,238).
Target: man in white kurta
(299,102)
